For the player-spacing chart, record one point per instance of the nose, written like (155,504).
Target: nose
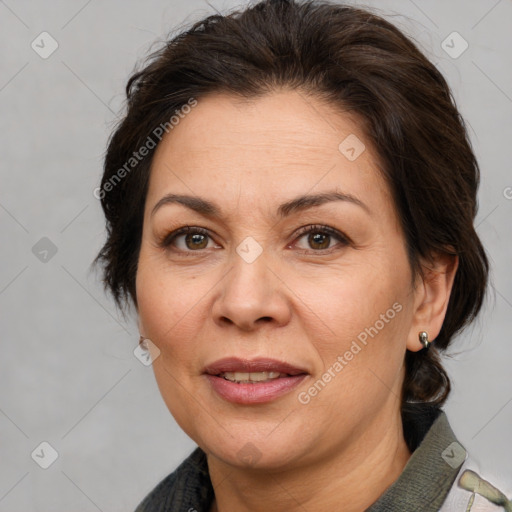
(251,295)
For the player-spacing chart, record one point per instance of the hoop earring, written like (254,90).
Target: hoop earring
(423,336)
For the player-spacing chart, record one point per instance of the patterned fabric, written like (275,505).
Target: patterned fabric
(439,476)
(473,493)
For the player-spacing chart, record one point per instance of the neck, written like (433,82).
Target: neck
(364,470)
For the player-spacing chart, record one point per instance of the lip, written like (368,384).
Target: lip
(236,364)
(258,392)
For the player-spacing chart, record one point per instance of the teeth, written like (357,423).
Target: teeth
(251,377)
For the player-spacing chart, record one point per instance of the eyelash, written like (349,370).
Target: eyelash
(343,240)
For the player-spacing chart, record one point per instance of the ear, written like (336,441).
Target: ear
(432,294)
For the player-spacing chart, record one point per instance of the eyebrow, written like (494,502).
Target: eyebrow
(300,203)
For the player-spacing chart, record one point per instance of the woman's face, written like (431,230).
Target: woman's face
(248,281)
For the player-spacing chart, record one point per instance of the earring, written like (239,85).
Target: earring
(423,336)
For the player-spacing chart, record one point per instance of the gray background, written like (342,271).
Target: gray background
(68,373)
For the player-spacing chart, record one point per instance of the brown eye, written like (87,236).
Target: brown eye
(186,240)
(322,239)
(196,241)
(319,240)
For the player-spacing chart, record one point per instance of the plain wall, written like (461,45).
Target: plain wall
(67,372)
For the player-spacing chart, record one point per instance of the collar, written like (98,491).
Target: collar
(431,470)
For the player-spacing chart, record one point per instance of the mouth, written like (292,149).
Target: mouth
(244,381)
(252,377)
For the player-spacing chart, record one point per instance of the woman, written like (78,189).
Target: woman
(290,201)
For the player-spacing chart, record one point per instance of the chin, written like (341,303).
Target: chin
(274,451)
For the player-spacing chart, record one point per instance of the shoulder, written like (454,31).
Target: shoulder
(476,490)
(186,488)
(440,476)
(472,488)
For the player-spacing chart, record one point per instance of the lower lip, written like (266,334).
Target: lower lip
(257,393)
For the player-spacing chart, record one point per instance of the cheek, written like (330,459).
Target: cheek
(346,299)
(168,316)
(169,309)
(357,321)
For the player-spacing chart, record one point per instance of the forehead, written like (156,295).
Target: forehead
(269,148)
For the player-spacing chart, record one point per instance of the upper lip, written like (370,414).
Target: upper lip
(236,364)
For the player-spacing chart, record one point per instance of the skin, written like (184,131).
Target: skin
(303,300)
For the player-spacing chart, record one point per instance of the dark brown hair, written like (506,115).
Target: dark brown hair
(357,62)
